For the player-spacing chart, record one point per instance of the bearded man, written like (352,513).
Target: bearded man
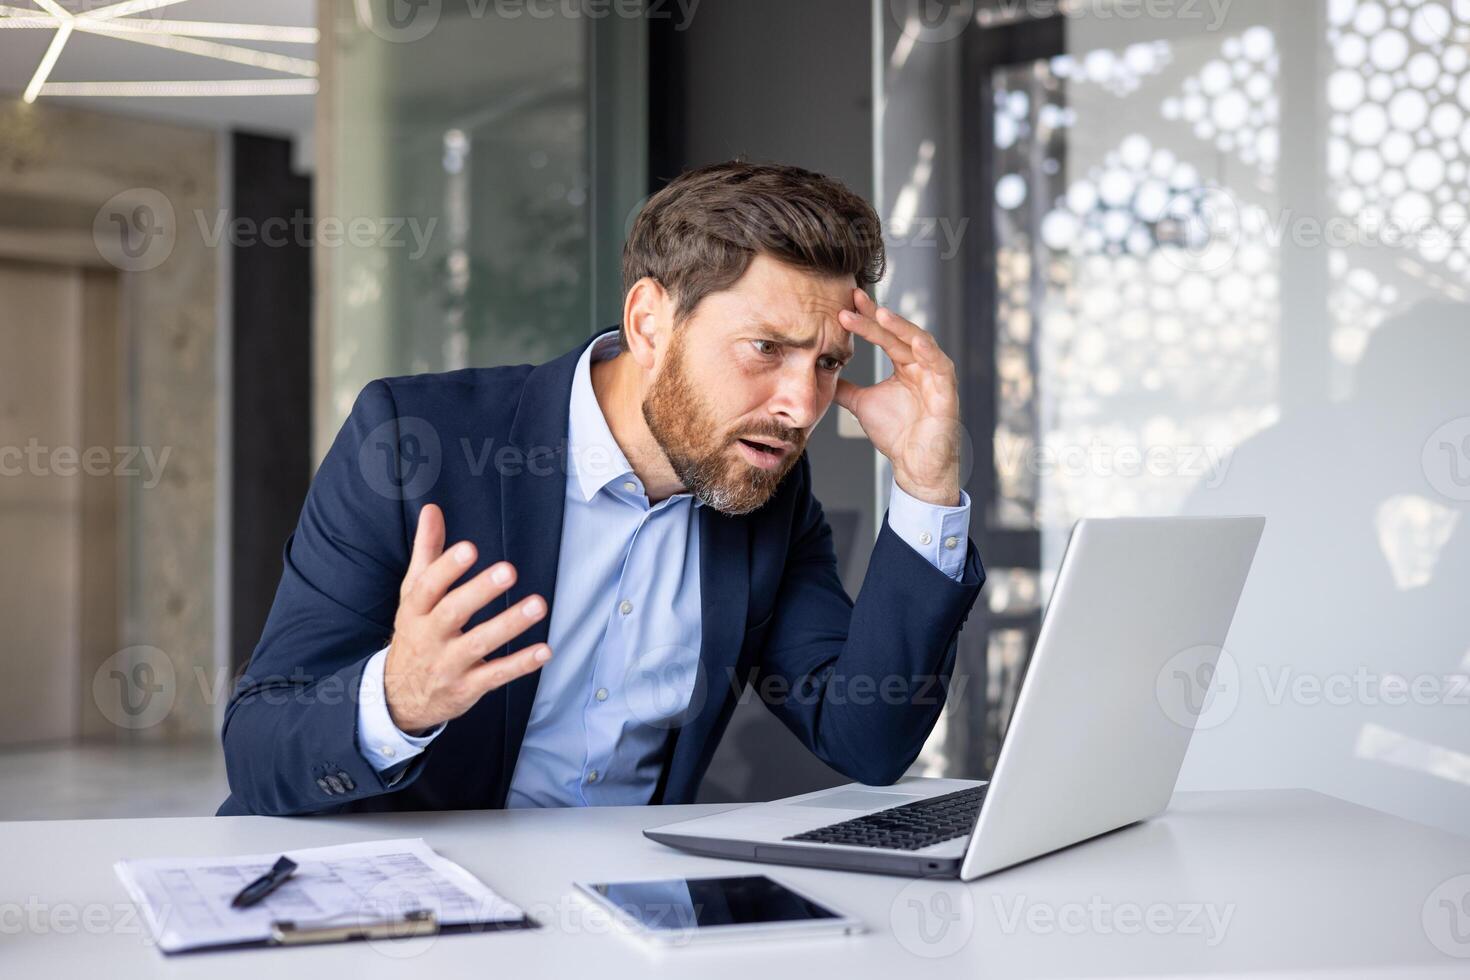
(548,585)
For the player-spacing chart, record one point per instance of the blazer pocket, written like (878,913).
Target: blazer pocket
(758,627)
(755,639)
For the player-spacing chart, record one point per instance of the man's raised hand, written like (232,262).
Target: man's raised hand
(436,670)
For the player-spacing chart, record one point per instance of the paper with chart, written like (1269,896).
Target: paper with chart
(186,901)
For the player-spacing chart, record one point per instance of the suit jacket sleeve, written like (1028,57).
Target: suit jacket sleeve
(862,684)
(290,730)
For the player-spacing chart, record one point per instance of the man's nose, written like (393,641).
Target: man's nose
(799,401)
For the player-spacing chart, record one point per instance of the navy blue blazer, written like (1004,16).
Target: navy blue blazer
(861,684)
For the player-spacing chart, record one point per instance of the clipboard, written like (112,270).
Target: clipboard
(336,896)
(287,932)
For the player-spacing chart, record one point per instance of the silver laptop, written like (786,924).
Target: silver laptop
(1119,675)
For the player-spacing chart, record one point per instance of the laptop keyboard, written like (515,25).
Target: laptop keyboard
(908,827)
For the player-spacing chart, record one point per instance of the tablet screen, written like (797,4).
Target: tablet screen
(700,903)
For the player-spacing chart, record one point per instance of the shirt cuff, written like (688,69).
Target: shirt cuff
(940,534)
(381,742)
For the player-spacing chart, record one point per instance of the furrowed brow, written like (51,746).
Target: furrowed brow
(773,333)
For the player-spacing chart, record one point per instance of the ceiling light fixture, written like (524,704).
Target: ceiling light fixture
(169,89)
(210,28)
(207,49)
(181,36)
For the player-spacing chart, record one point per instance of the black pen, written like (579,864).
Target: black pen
(265,884)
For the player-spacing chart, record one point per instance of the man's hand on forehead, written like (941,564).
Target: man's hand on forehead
(913,415)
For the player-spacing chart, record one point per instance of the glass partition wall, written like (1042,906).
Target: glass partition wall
(480,161)
(1216,263)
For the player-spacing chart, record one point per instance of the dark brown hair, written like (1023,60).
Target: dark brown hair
(699,234)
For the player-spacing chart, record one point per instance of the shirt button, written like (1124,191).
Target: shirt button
(625,607)
(592,776)
(925,538)
(630,486)
(601,694)
(951,542)
(388,750)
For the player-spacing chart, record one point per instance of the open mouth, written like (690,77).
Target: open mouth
(765,455)
(776,452)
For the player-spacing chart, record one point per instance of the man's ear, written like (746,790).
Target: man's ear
(645,309)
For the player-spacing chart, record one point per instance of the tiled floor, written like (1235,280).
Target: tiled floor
(63,782)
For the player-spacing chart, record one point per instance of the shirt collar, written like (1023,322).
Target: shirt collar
(595,459)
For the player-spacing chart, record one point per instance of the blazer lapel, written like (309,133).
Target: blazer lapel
(533,497)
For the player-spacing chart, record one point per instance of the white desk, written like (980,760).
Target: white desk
(1297,882)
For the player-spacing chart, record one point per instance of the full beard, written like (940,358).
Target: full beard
(701,458)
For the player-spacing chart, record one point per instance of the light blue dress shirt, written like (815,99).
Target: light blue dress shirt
(625,625)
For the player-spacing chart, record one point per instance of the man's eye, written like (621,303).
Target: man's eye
(765,346)
(831,364)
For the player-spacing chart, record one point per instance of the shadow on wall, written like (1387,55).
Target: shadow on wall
(1351,645)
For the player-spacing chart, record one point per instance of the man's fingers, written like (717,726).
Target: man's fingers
(428,543)
(905,330)
(920,342)
(456,608)
(500,629)
(431,584)
(502,670)
(871,330)
(847,394)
